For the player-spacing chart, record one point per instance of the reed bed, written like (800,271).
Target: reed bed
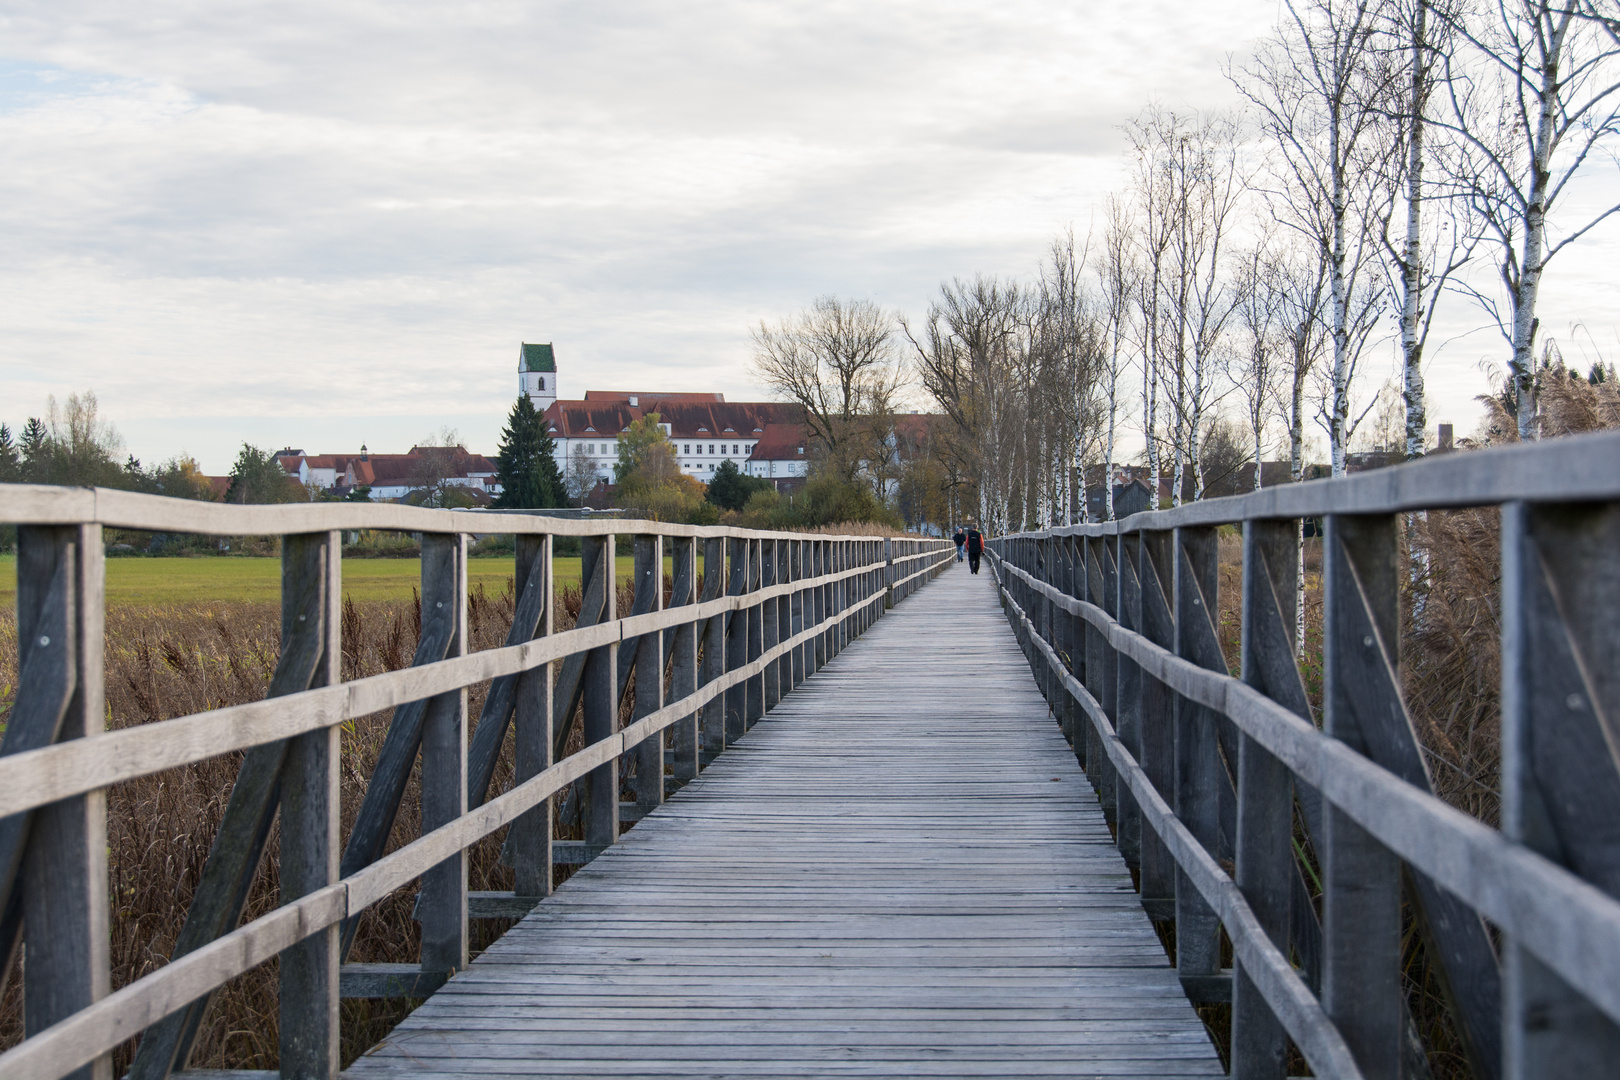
(168,661)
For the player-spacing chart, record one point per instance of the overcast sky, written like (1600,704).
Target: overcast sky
(322,224)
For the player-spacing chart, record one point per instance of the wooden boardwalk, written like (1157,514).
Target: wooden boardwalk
(900,871)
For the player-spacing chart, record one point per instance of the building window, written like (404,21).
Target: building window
(711,448)
(687,449)
(542,382)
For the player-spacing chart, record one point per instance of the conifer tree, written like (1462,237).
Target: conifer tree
(526,465)
(10,464)
(35,449)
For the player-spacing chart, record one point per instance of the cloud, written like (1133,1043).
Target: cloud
(356,208)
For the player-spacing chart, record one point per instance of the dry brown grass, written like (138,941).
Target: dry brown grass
(172,661)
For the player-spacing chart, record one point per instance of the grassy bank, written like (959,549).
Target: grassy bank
(163,582)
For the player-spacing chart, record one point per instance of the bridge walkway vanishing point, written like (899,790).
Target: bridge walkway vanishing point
(899,871)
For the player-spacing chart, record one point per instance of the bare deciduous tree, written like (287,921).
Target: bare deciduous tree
(1319,94)
(1259,356)
(1423,250)
(1118,273)
(839,361)
(581,475)
(1533,94)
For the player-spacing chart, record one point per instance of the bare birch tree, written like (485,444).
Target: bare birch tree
(1259,357)
(1319,94)
(1533,92)
(1118,272)
(1423,248)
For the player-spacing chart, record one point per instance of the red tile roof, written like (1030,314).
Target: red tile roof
(781,442)
(603,396)
(687,419)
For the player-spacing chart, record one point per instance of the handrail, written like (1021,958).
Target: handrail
(1118,621)
(775,607)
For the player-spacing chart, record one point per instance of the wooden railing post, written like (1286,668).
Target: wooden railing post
(755,700)
(1106,596)
(1560,784)
(1040,609)
(796,601)
(60,849)
(601,700)
(1128,687)
(771,620)
(737,638)
(1157,731)
(712,716)
(1198,764)
(1265,810)
(683,670)
(1361,898)
(818,555)
(649,753)
(835,599)
(310,1045)
(442,909)
(1063,632)
(846,591)
(529,840)
(1082,648)
(1098,657)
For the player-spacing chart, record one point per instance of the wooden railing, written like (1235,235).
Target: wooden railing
(1202,774)
(774,607)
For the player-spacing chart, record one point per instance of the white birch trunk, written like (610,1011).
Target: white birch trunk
(1412,269)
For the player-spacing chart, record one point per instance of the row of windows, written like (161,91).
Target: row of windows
(736,448)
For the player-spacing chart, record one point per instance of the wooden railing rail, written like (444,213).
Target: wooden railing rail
(774,608)
(1203,774)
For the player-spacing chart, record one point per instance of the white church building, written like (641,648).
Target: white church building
(763,438)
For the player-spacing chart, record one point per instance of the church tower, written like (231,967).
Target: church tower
(537,374)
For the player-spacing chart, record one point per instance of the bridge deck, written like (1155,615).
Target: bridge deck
(900,871)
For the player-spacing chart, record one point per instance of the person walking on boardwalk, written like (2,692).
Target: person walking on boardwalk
(975,548)
(959,539)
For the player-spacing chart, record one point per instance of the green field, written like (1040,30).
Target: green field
(166,581)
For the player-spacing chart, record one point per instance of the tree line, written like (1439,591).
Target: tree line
(1389,160)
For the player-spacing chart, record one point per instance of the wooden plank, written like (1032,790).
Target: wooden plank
(869,879)
(388,981)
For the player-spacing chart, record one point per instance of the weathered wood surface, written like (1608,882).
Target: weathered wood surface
(899,871)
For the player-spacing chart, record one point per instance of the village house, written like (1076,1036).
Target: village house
(762,438)
(392,476)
